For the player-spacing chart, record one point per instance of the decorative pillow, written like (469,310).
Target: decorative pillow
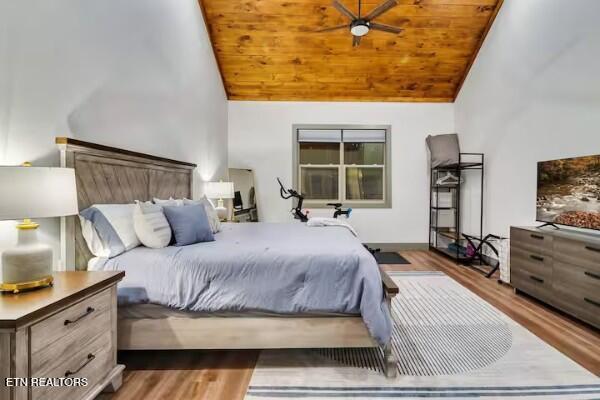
(114,225)
(151,225)
(444,149)
(170,202)
(189,224)
(211,213)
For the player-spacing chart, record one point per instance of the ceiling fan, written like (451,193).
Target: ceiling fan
(361,25)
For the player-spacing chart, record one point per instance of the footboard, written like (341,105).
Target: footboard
(390,290)
(253,332)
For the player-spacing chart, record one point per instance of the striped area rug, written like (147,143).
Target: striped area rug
(449,343)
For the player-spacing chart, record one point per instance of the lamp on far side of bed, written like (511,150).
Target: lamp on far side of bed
(220,190)
(32,192)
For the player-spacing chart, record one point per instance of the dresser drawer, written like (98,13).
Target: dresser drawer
(92,361)
(54,338)
(579,279)
(534,263)
(534,285)
(581,304)
(532,241)
(578,252)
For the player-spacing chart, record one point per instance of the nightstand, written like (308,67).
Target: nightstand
(68,330)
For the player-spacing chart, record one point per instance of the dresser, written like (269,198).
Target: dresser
(65,331)
(559,267)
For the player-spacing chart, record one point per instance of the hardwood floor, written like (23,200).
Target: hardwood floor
(179,375)
(225,374)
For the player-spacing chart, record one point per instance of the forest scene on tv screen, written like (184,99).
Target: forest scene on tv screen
(568,192)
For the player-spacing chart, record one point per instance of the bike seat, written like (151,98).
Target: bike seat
(336,205)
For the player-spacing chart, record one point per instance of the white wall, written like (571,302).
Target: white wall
(533,94)
(136,74)
(260,138)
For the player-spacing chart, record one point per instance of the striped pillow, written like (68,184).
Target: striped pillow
(151,226)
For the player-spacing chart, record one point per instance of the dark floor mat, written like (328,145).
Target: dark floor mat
(384,257)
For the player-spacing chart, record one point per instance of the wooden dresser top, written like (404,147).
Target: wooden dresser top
(19,309)
(565,232)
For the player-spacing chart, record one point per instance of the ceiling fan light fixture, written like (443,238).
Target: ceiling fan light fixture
(359,27)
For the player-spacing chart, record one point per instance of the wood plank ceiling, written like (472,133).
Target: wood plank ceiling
(269,50)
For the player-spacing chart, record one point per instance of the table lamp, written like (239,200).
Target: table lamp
(32,192)
(220,190)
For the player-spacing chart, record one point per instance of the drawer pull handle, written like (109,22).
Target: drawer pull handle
(538,237)
(88,311)
(592,275)
(590,248)
(592,302)
(537,258)
(535,278)
(90,358)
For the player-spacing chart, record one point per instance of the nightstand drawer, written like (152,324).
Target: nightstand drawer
(58,335)
(92,361)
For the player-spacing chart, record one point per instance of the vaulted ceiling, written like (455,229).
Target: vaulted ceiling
(270,50)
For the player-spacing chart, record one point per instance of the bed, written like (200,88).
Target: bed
(257,286)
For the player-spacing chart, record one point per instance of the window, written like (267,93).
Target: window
(346,164)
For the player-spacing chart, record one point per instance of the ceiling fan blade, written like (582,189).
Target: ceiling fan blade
(344,10)
(384,28)
(333,28)
(355,41)
(377,11)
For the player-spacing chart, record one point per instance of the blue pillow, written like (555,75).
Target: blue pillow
(189,224)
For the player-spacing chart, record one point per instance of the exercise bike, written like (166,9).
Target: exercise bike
(303,215)
(288,194)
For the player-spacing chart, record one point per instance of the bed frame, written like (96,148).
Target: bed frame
(111,175)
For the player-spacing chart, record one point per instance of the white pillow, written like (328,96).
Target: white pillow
(92,239)
(113,225)
(211,213)
(169,203)
(151,225)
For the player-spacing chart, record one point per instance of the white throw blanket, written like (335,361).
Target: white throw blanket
(320,221)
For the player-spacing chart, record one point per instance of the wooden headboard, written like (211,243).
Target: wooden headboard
(108,175)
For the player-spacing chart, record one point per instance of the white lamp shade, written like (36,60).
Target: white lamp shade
(219,190)
(36,192)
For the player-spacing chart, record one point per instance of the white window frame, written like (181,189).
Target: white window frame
(387,164)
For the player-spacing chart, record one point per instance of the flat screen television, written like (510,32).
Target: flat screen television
(568,192)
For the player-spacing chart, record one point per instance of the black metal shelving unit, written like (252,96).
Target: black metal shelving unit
(445,233)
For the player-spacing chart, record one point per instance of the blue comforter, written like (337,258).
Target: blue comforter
(263,267)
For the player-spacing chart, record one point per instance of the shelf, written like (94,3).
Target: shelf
(449,190)
(444,186)
(459,167)
(446,234)
(449,253)
(490,263)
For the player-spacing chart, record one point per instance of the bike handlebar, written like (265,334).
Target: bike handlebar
(283,192)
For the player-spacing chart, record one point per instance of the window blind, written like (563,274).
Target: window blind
(364,135)
(337,135)
(320,135)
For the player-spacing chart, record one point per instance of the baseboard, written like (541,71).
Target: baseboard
(399,246)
